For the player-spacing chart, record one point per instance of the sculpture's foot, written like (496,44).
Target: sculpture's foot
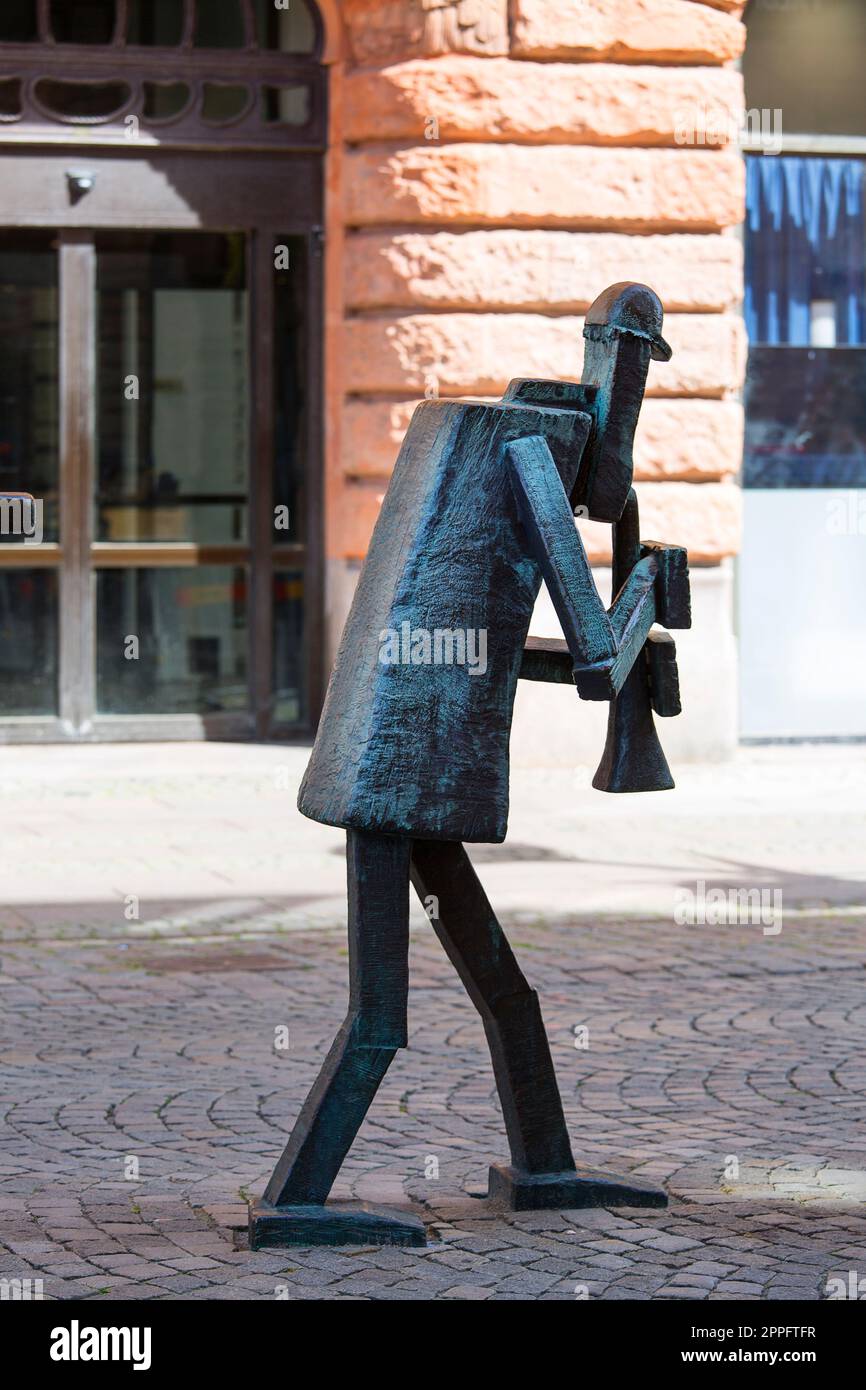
(585,1187)
(344,1223)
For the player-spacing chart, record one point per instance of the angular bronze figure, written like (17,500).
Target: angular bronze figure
(411,756)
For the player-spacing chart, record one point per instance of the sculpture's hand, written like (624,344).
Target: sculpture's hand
(558,550)
(650,583)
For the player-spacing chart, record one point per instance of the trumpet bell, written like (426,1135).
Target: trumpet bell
(633,759)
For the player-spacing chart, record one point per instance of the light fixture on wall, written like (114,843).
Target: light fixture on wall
(80,183)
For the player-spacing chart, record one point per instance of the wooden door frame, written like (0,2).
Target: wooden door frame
(265,196)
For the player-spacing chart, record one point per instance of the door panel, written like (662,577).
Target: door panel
(28,642)
(160,367)
(29,462)
(172,641)
(173,387)
(171,475)
(29,396)
(159,395)
(290,646)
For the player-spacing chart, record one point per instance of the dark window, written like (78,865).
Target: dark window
(223,102)
(18,21)
(10,98)
(806,418)
(156,23)
(118,72)
(83,101)
(162,100)
(83,21)
(288,648)
(28,642)
(219,24)
(290,366)
(29,357)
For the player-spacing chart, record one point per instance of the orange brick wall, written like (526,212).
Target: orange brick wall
(493,166)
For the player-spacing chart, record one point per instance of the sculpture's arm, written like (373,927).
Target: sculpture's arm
(603,645)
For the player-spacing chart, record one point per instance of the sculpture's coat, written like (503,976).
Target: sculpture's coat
(422,750)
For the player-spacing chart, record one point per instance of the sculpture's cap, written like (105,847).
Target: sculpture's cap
(628,307)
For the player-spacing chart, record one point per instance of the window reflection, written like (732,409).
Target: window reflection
(189,654)
(805,418)
(29,356)
(805,311)
(290,373)
(290,706)
(28,642)
(223,102)
(172,406)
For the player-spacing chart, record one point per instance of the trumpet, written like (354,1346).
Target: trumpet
(633,759)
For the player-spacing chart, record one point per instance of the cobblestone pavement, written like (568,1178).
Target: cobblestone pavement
(145,1099)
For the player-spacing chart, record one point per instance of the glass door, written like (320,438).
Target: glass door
(171,473)
(156,401)
(30,462)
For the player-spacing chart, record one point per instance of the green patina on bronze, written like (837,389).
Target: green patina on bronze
(411,755)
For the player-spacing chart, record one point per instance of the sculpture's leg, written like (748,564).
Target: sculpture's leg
(292,1211)
(542,1172)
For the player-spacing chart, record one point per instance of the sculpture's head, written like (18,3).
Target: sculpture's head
(628,308)
(623,333)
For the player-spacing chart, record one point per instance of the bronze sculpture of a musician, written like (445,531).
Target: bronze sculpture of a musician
(411,756)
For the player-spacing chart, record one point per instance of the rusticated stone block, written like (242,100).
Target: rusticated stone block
(682,440)
(381,31)
(662,30)
(581,186)
(357,508)
(371,435)
(478,354)
(708,513)
(522,269)
(466,98)
(688,440)
(711,512)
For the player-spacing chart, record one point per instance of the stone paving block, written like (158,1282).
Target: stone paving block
(468,1293)
(183,1283)
(670,1243)
(736,1048)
